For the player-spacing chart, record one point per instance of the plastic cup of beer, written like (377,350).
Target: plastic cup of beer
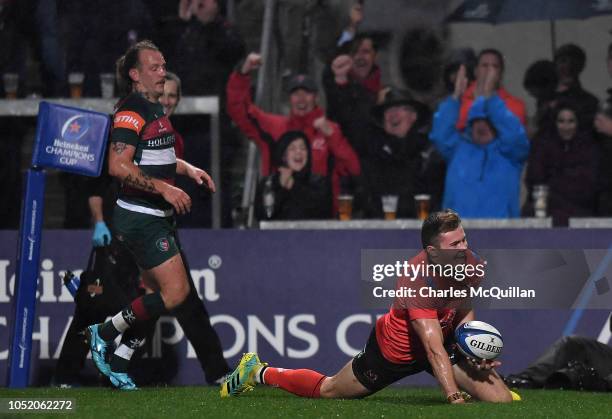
(345,207)
(11,84)
(389,204)
(75,80)
(422,202)
(540,200)
(107,85)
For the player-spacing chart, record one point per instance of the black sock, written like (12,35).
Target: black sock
(108,332)
(143,308)
(117,325)
(120,360)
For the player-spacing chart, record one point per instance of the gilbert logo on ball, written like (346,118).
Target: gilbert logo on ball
(479,340)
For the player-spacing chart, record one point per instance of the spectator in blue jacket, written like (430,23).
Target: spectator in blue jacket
(484,160)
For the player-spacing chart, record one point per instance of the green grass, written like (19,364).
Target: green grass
(202,402)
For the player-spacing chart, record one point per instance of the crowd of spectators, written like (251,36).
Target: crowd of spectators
(469,151)
(472,155)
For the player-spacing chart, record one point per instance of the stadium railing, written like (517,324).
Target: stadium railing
(590,222)
(408,224)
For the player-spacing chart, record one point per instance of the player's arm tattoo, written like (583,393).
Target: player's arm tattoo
(141,181)
(118,147)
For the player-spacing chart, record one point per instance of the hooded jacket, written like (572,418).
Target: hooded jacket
(310,196)
(482,181)
(513,104)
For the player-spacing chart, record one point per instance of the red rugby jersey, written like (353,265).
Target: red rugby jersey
(397,339)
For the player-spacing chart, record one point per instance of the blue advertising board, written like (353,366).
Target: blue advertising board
(292,296)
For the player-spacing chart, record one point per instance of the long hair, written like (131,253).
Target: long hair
(128,61)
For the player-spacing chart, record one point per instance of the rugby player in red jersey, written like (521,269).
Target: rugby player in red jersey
(407,340)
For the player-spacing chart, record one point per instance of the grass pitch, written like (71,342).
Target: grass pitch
(204,402)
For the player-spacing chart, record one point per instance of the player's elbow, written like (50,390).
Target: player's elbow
(112,170)
(115,168)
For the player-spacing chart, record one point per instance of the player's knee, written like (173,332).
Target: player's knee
(504,397)
(328,388)
(174,296)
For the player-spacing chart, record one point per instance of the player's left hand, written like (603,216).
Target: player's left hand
(201,177)
(483,364)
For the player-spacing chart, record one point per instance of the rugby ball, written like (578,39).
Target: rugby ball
(479,340)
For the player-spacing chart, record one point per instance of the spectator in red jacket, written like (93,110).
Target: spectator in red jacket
(265,129)
(487,59)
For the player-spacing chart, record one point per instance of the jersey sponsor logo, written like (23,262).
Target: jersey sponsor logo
(75,127)
(158,142)
(160,126)
(129,120)
(163,244)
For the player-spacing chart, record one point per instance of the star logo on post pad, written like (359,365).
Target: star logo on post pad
(75,127)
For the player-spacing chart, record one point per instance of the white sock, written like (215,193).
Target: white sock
(260,373)
(124,351)
(119,322)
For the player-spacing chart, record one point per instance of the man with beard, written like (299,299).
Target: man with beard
(142,157)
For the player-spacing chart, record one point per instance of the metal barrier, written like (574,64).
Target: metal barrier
(492,223)
(590,222)
(262,97)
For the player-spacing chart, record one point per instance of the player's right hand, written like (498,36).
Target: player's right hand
(252,62)
(177,198)
(483,364)
(102,235)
